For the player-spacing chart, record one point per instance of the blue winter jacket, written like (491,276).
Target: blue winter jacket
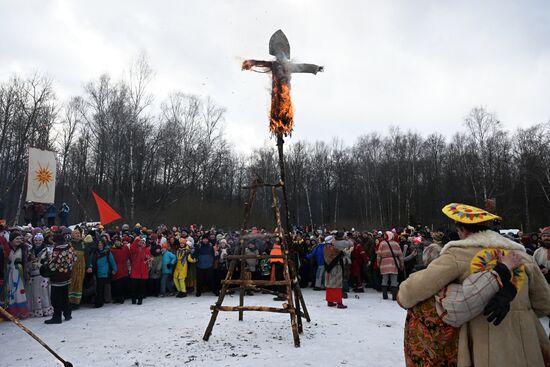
(103,264)
(168,258)
(318,254)
(205,256)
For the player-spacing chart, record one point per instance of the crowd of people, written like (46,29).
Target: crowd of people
(94,265)
(51,271)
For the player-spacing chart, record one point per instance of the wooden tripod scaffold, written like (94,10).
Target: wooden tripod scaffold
(295,305)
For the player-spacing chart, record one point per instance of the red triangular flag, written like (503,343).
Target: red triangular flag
(106,213)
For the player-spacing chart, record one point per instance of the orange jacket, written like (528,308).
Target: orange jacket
(276,250)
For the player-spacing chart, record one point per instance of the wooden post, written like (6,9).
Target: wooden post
(241,287)
(7,315)
(280,143)
(293,321)
(228,276)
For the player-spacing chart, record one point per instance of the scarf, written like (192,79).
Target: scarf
(332,255)
(182,254)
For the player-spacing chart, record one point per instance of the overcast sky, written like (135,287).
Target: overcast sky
(419,65)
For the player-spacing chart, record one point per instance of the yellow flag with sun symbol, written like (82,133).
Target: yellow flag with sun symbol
(41,178)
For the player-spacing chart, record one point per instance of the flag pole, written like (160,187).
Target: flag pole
(18,213)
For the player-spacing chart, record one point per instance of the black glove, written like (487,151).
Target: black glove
(503,272)
(169,266)
(499,305)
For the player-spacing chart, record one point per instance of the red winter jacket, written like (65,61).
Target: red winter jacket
(139,257)
(5,246)
(358,258)
(121,255)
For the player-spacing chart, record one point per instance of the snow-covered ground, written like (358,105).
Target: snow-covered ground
(168,332)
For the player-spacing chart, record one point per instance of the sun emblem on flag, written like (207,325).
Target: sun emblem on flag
(43,176)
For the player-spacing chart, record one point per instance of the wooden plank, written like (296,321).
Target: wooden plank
(255,282)
(232,257)
(253,308)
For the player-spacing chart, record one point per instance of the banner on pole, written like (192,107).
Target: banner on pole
(41,177)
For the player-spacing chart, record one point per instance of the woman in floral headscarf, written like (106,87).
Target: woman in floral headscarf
(15,298)
(79,269)
(334,272)
(39,287)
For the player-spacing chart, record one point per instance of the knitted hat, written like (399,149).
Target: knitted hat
(545,231)
(39,236)
(165,246)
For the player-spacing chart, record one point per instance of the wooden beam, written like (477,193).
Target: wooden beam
(239,257)
(253,308)
(252,282)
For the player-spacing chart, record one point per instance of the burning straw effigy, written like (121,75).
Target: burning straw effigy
(281,124)
(281,119)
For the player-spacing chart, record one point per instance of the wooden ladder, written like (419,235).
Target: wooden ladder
(293,294)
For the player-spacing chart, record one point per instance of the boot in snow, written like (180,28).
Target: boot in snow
(385,292)
(394,293)
(54,320)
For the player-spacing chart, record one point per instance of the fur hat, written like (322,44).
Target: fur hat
(58,239)
(14,235)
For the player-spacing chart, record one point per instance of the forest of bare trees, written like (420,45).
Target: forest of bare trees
(173,164)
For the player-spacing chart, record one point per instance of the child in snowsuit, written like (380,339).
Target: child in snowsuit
(183,257)
(103,265)
(168,262)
